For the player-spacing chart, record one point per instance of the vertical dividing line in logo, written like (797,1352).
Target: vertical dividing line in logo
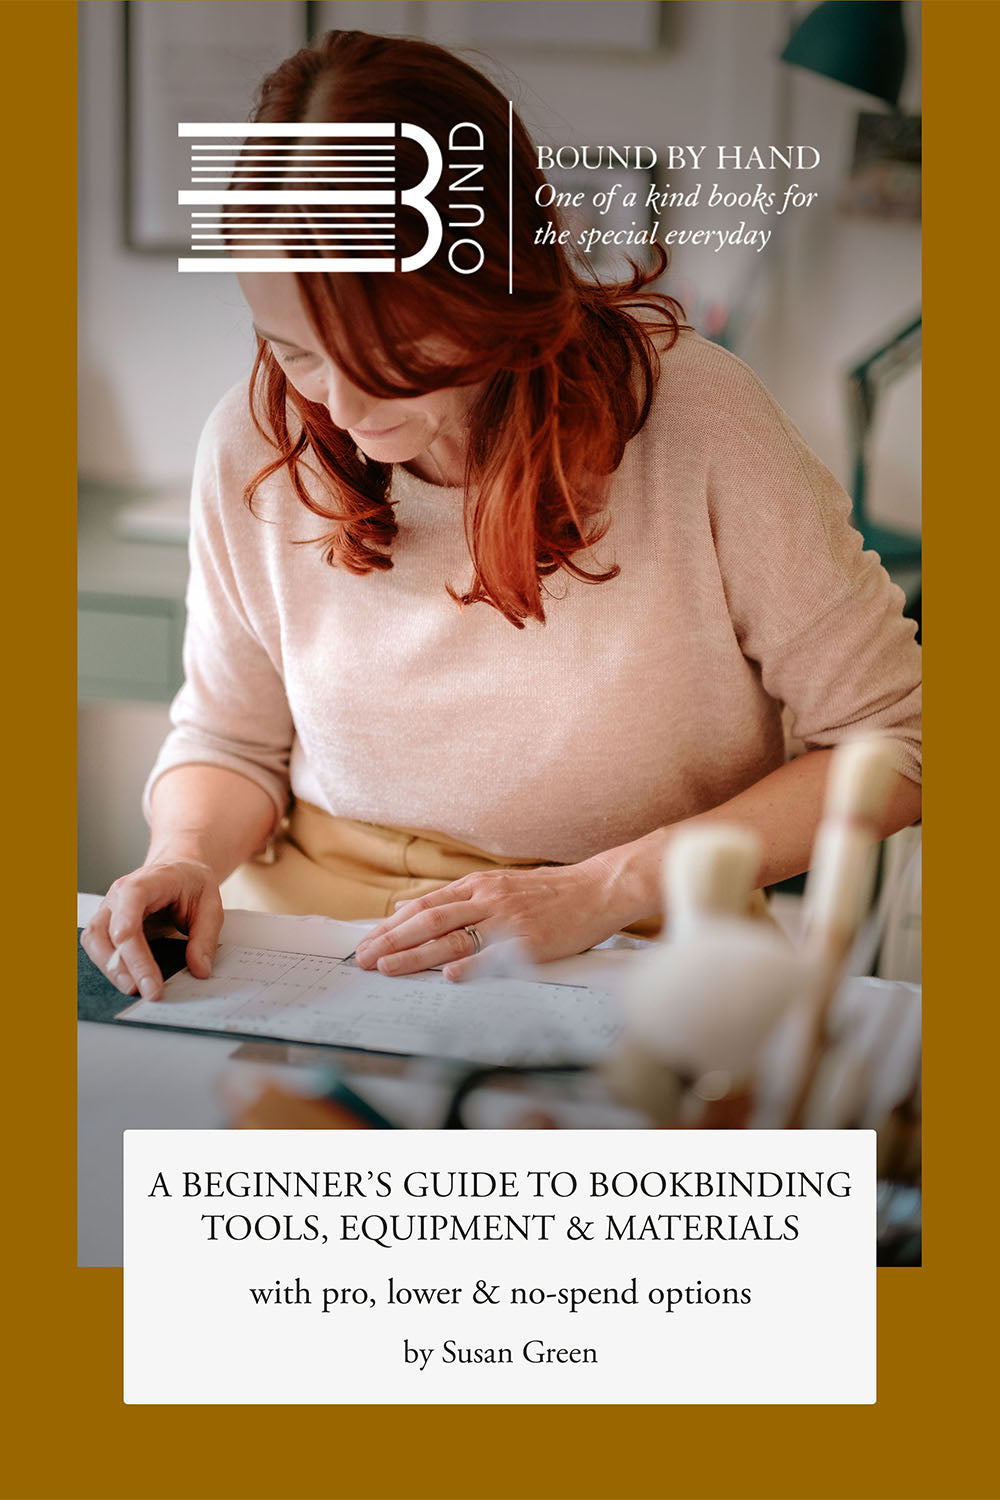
(510,196)
(338,194)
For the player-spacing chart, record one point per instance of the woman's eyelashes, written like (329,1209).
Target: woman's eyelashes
(287,358)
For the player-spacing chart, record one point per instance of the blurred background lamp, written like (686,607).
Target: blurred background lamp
(858,42)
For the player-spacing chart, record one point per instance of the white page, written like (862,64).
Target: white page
(324,997)
(290,934)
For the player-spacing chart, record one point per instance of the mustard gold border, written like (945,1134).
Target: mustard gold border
(931,1431)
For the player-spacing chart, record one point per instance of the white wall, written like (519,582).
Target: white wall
(157,348)
(116,745)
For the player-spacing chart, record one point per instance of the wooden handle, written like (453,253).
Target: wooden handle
(709,870)
(860,781)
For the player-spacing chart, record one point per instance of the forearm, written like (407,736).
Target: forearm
(208,814)
(783,809)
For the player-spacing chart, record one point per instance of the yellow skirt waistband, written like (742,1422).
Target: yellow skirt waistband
(337,867)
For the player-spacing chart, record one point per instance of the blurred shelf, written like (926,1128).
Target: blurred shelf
(130,603)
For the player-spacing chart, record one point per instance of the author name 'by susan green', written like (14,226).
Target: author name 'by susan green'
(533,1352)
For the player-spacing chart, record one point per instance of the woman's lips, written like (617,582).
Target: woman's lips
(377,432)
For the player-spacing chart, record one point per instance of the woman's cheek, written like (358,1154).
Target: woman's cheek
(311,390)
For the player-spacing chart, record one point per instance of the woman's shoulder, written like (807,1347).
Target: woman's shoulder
(707,398)
(232,451)
(697,375)
(230,432)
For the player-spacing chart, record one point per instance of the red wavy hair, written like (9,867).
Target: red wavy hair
(569,372)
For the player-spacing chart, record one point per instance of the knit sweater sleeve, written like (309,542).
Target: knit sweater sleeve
(816,612)
(232,710)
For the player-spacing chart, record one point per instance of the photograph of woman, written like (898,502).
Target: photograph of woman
(493,588)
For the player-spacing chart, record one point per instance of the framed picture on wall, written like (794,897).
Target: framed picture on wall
(519,25)
(570,25)
(386,17)
(199,61)
(885,173)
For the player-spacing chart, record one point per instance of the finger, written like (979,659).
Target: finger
(464,967)
(137,966)
(99,948)
(403,911)
(454,892)
(125,929)
(421,920)
(418,927)
(203,937)
(119,973)
(451,948)
(94,935)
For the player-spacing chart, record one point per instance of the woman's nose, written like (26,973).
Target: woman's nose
(347,404)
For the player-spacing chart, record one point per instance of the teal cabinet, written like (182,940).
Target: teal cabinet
(130,606)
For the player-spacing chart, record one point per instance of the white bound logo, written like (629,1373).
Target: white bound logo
(338,194)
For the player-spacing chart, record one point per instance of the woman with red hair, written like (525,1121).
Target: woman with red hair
(499,576)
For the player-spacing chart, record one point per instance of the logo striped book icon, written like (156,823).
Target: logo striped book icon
(335,208)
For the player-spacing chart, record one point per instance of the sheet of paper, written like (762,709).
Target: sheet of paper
(290,934)
(318,997)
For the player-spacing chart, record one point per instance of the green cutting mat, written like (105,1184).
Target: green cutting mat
(97,999)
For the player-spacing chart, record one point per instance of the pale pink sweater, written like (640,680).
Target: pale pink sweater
(639,702)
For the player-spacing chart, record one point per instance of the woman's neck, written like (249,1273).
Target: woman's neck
(442,464)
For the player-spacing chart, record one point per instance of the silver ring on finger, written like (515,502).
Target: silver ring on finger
(476,941)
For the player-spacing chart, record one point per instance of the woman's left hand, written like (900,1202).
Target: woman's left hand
(552,912)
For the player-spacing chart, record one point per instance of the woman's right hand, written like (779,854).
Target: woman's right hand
(185,893)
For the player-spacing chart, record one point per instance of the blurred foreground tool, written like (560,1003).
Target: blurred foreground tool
(277,1108)
(702,1005)
(839,887)
(271,1106)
